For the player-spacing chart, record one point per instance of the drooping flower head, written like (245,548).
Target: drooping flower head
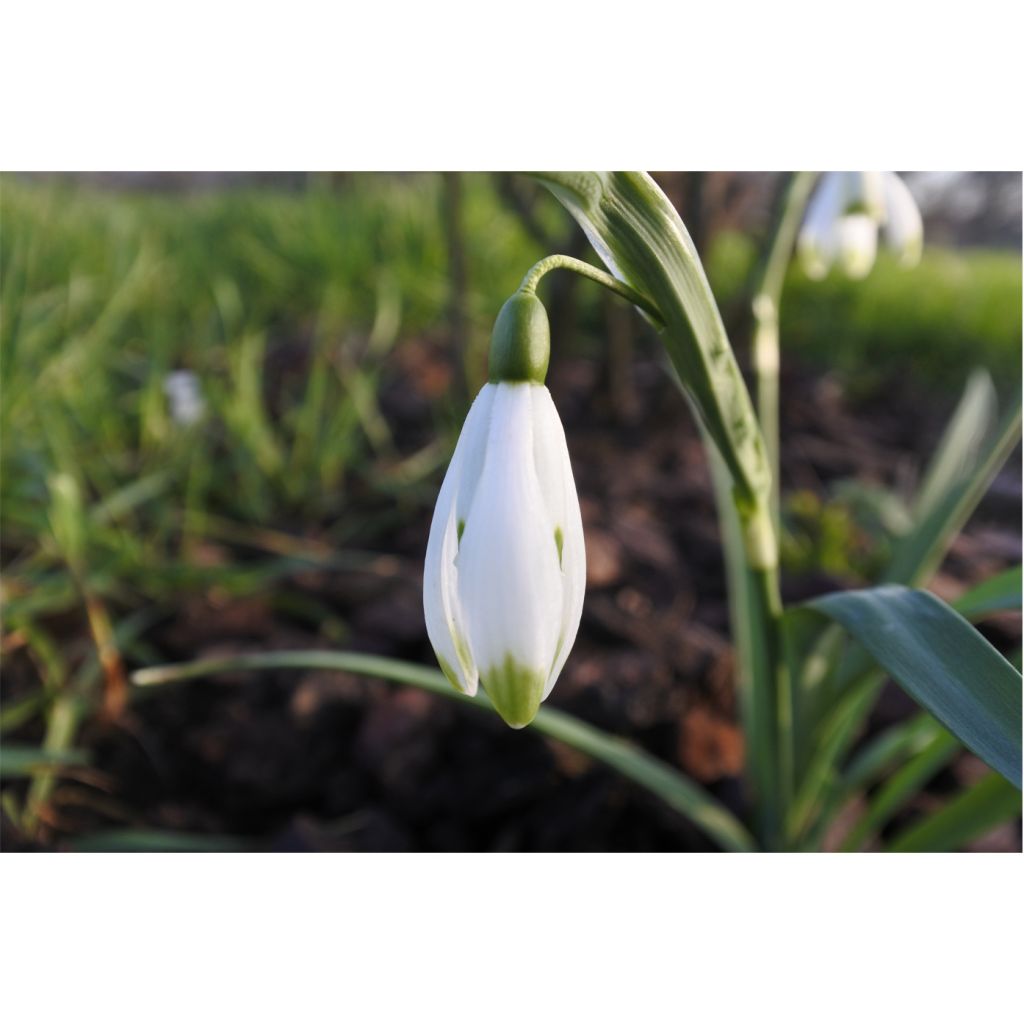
(505,567)
(845,215)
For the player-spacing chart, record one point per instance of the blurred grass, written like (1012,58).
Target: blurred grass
(285,305)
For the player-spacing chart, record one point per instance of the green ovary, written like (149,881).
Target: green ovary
(515,691)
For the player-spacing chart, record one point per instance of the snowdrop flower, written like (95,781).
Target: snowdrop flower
(505,566)
(844,217)
(182,390)
(903,229)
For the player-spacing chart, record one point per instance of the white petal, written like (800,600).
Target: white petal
(864,193)
(446,625)
(858,244)
(818,241)
(554,471)
(903,228)
(510,586)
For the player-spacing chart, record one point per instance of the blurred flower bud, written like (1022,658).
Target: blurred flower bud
(843,219)
(858,244)
(186,400)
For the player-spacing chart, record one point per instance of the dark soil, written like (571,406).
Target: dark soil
(327,761)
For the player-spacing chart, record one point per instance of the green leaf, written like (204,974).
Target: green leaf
(960,448)
(965,818)
(945,664)
(637,232)
(903,785)
(829,790)
(755,673)
(999,594)
(18,760)
(659,778)
(836,734)
(887,750)
(966,461)
(140,840)
(639,235)
(957,479)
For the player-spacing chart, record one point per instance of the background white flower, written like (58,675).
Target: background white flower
(186,400)
(844,217)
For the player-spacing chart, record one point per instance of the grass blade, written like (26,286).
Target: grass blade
(960,446)
(19,761)
(965,818)
(886,751)
(880,756)
(903,785)
(145,840)
(951,493)
(999,594)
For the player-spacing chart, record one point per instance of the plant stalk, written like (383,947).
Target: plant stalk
(639,235)
(588,270)
(765,305)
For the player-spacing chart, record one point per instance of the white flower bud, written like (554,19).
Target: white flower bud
(505,568)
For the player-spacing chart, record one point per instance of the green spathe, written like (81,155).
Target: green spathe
(515,690)
(520,341)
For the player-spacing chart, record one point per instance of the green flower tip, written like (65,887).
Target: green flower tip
(520,341)
(449,672)
(515,691)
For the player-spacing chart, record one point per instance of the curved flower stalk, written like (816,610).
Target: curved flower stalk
(505,567)
(844,218)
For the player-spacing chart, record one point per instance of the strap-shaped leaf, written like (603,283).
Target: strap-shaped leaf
(999,594)
(904,784)
(17,760)
(966,817)
(961,447)
(637,232)
(957,479)
(943,662)
(959,475)
(146,840)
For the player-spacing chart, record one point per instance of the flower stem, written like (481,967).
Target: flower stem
(767,297)
(766,361)
(613,284)
(640,236)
